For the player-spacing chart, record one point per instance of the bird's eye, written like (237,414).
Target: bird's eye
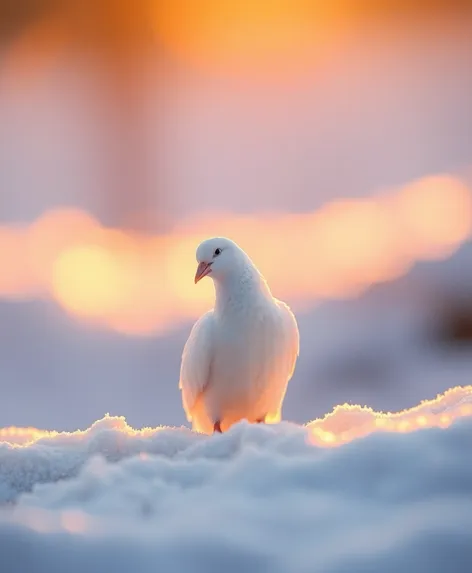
(217,252)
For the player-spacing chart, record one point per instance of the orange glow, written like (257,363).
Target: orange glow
(234,35)
(344,424)
(347,422)
(22,437)
(55,231)
(357,241)
(436,213)
(466,409)
(13,435)
(140,285)
(89,280)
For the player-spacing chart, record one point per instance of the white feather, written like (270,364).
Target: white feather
(240,356)
(196,362)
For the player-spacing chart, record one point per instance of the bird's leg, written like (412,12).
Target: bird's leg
(217,427)
(261,421)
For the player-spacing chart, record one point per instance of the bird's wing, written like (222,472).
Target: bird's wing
(285,350)
(196,362)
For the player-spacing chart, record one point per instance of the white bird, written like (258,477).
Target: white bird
(240,355)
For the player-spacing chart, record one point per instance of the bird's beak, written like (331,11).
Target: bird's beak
(203,270)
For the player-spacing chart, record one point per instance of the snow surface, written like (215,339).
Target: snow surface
(259,498)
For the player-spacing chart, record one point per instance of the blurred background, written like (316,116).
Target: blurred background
(332,140)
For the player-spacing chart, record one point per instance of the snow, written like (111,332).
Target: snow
(258,498)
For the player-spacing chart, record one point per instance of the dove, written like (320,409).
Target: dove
(241,354)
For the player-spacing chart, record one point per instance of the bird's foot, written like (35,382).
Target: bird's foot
(261,421)
(217,427)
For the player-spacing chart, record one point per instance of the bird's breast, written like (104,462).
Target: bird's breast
(243,350)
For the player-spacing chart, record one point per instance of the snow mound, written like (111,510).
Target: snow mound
(259,498)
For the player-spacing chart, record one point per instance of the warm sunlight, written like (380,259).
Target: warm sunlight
(54,232)
(89,280)
(348,422)
(144,284)
(436,213)
(268,35)
(344,424)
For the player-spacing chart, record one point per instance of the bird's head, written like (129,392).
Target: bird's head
(218,257)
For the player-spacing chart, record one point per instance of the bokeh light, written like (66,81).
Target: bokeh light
(143,284)
(435,214)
